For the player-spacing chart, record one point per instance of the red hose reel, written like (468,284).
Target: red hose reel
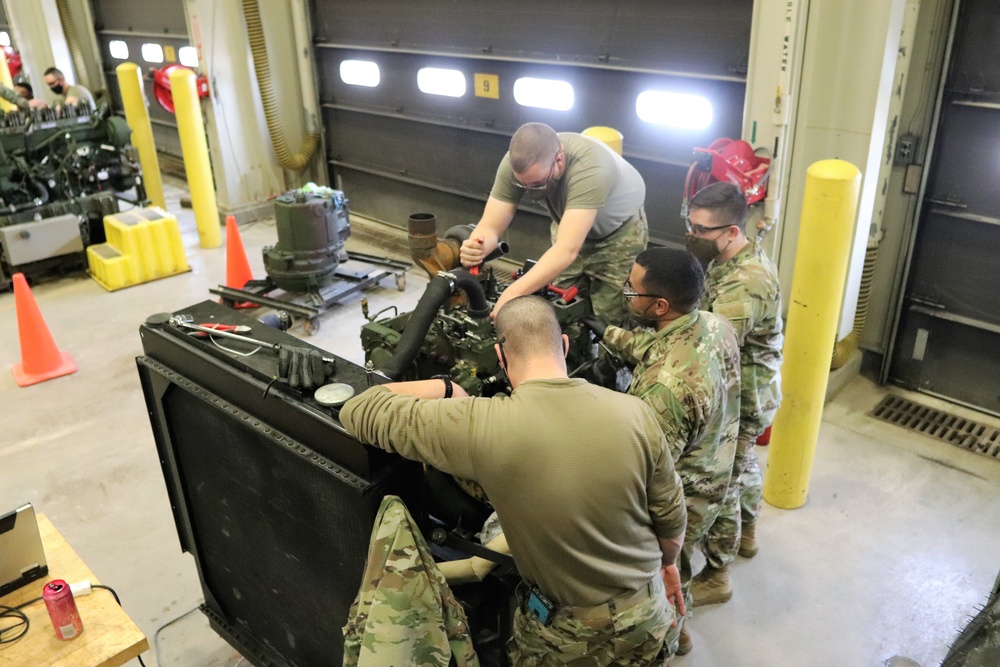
(161,85)
(729,161)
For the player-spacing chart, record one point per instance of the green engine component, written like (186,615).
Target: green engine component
(54,162)
(462,346)
(49,155)
(312,225)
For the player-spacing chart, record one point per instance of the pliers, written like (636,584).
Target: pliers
(218,326)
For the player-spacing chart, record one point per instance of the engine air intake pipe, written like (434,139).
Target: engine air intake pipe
(437,292)
(433,255)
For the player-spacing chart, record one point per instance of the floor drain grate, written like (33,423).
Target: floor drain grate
(944,426)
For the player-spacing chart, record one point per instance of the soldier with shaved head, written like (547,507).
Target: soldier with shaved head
(583,484)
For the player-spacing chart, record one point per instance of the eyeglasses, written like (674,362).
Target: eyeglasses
(629,293)
(701,229)
(540,185)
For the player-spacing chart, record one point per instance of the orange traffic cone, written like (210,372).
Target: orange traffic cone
(238,272)
(40,358)
(237,266)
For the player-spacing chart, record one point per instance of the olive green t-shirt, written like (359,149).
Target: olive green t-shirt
(80,93)
(595,177)
(579,475)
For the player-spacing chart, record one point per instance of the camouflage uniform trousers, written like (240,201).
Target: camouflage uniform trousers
(723,540)
(638,636)
(703,515)
(603,265)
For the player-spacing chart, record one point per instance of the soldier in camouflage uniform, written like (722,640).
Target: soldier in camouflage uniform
(595,200)
(404,614)
(687,370)
(742,287)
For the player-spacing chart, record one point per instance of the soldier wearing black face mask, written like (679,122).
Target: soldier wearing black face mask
(65,92)
(742,286)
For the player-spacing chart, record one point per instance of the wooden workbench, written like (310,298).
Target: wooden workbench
(110,638)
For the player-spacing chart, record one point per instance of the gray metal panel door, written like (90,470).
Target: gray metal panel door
(396,150)
(138,22)
(948,342)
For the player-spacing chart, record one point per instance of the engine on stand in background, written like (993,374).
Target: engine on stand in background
(61,171)
(450,331)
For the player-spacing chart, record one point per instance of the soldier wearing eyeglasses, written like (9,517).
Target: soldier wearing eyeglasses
(595,199)
(687,369)
(742,286)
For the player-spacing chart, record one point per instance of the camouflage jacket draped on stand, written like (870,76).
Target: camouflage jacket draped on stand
(404,614)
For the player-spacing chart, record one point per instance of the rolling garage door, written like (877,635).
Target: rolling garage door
(396,150)
(152,34)
(948,341)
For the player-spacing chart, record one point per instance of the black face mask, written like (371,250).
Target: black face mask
(704,249)
(57,89)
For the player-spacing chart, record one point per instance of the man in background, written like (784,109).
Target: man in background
(743,287)
(65,92)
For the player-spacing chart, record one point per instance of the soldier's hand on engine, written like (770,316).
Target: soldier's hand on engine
(473,251)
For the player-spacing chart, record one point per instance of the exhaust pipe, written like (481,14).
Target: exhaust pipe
(433,255)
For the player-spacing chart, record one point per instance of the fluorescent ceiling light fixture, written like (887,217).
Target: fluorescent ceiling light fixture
(544,93)
(118,49)
(690,112)
(436,81)
(359,73)
(4,38)
(152,53)
(188,55)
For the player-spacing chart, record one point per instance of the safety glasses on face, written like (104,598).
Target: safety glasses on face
(630,293)
(701,229)
(540,185)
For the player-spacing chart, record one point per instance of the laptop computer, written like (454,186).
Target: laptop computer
(22,557)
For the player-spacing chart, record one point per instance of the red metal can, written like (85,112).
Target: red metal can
(62,609)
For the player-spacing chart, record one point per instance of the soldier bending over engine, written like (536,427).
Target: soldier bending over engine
(581,479)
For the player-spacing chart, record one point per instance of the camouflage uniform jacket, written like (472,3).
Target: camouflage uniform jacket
(404,614)
(745,290)
(688,372)
(11,96)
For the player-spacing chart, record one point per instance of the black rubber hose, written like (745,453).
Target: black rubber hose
(437,292)
(478,307)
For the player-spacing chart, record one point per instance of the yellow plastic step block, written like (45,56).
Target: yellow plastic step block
(143,244)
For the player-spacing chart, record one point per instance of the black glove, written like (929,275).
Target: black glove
(595,325)
(303,367)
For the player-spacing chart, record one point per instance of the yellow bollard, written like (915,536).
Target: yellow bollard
(609,135)
(137,117)
(196,163)
(6,80)
(821,259)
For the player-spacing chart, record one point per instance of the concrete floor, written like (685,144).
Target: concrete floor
(893,551)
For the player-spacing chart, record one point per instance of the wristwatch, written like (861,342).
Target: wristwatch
(449,389)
